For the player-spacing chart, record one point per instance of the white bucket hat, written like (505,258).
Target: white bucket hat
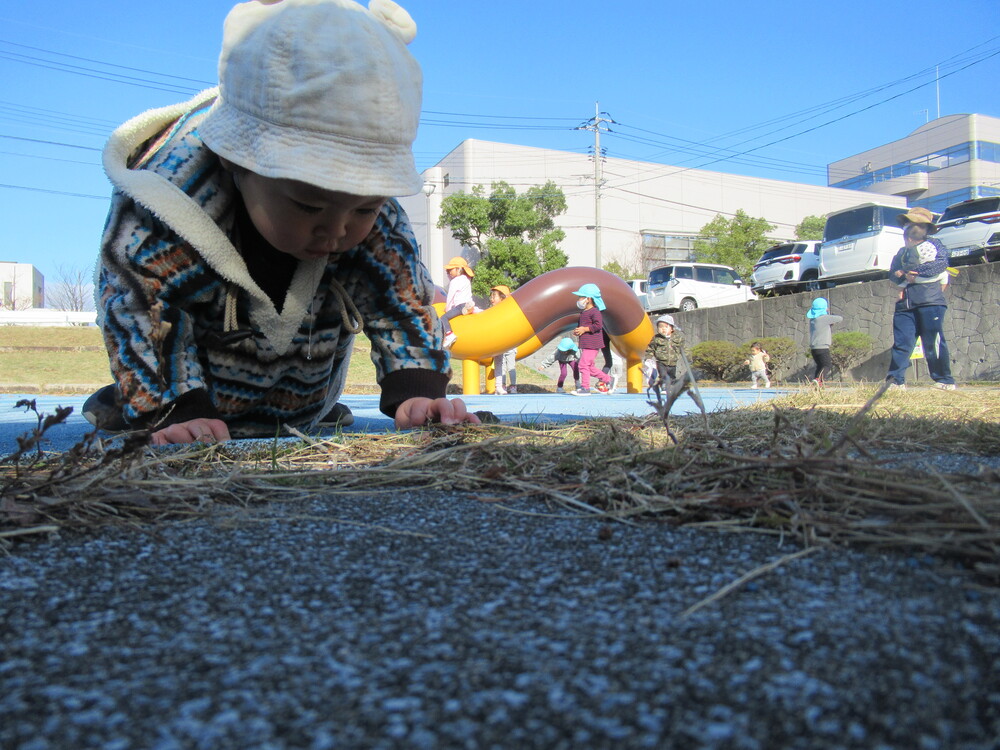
(320,91)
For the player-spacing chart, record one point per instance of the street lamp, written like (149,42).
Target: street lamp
(428,191)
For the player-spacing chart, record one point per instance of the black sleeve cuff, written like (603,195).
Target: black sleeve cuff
(194,404)
(401,385)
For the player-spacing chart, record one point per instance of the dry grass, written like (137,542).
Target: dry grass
(820,467)
(49,359)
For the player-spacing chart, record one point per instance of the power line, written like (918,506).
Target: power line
(202,83)
(54,192)
(50,143)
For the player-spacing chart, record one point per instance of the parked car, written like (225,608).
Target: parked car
(688,286)
(859,243)
(786,268)
(639,286)
(971,230)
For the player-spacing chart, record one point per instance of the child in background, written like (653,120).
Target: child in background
(665,350)
(567,354)
(459,301)
(504,365)
(821,337)
(252,234)
(590,330)
(758,365)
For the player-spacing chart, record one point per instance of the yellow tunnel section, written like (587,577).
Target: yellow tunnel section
(544,309)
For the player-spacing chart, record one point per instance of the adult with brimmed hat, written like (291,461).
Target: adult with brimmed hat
(919,272)
(590,329)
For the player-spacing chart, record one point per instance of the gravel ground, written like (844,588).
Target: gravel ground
(430,620)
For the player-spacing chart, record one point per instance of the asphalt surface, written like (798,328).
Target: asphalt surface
(441,620)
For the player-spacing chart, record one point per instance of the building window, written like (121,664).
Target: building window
(943,159)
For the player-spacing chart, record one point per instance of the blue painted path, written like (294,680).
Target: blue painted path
(533,407)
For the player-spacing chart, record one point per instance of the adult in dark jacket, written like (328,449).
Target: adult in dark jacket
(919,270)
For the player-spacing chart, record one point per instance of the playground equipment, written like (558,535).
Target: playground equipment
(544,309)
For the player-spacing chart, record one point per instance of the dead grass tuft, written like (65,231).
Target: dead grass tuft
(820,467)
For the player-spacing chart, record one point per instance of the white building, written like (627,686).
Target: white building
(944,161)
(647,211)
(21,286)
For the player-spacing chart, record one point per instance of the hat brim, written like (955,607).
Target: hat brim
(904,219)
(324,160)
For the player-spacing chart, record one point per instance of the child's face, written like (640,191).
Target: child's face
(495,297)
(914,234)
(664,329)
(755,349)
(453,272)
(305,221)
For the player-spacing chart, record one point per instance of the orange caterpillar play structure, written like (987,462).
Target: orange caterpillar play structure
(544,309)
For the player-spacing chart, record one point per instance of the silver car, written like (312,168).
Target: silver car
(971,230)
(786,268)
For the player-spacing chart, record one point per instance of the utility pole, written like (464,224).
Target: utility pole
(597,123)
(937,87)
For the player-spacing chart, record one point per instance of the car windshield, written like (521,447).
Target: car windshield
(860,220)
(661,275)
(971,208)
(777,252)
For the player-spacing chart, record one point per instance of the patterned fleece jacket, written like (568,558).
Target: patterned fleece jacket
(189,331)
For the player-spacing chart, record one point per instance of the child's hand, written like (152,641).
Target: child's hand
(580,330)
(196,430)
(416,412)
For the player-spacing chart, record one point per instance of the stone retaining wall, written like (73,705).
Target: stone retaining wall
(972,325)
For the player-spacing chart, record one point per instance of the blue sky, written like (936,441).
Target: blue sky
(769,89)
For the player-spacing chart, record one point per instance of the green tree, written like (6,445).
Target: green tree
(515,235)
(736,242)
(618,270)
(629,264)
(810,228)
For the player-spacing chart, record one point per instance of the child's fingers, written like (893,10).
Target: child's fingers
(195,430)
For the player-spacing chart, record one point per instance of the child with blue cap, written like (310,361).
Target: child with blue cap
(821,324)
(567,354)
(590,329)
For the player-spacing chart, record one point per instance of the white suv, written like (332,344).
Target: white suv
(971,230)
(639,286)
(688,286)
(786,268)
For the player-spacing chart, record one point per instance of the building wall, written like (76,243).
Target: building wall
(970,325)
(21,286)
(934,189)
(636,197)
